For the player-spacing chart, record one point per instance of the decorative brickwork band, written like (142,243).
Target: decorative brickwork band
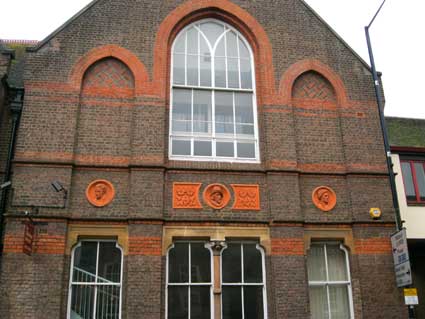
(247,197)
(42,244)
(186,195)
(324,198)
(373,246)
(100,193)
(287,246)
(145,246)
(216,196)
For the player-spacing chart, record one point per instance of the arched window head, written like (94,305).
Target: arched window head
(213,107)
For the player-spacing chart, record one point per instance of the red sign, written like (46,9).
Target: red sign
(28,238)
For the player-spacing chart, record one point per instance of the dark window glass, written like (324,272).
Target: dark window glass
(82,301)
(178,302)
(200,302)
(85,262)
(108,302)
(253,302)
(200,263)
(232,264)
(178,261)
(252,261)
(109,263)
(420,179)
(408,181)
(232,303)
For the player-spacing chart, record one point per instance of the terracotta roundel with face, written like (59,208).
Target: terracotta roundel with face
(100,192)
(324,198)
(216,196)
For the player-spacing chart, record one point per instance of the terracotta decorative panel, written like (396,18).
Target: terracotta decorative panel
(247,197)
(324,198)
(216,196)
(100,193)
(186,195)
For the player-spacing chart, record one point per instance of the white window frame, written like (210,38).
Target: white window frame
(327,282)
(189,283)
(244,284)
(95,284)
(213,137)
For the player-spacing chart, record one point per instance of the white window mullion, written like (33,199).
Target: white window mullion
(199,58)
(235,142)
(225,58)
(243,282)
(239,61)
(192,143)
(185,59)
(95,278)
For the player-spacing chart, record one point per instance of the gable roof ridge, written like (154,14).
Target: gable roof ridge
(327,25)
(63,26)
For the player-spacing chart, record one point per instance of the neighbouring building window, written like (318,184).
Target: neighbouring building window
(413,172)
(213,112)
(329,281)
(96,281)
(190,281)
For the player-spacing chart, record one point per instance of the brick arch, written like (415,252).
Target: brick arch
(140,74)
(290,76)
(228,12)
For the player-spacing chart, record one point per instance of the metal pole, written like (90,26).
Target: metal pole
(383,126)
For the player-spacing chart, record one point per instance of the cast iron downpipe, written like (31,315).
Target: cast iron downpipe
(15,98)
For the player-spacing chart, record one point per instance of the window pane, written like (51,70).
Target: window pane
(220,72)
(205,50)
(316,263)
(108,302)
(246,76)
(246,150)
(420,179)
(338,297)
(408,181)
(233,72)
(231,263)
(243,50)
(201,263)
(180,147)
(182,100)
(200,302)
(202,111)
(178,302)
(192,41)
(252,263)
(212,31)
(178,263)
(253,302)
(245,129)
(232,303)
(82,302)
(318,303)
(109,263)
(243,108)
(224,113)
(85,262)
(205,70)
(192,69)
(225,149)
(179,44)
(178,69)
(336,263)
(232,44)
(202,148)
(220,50)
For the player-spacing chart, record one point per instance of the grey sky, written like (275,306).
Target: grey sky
(397,38)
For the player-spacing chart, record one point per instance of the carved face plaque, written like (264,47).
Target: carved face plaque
(216,195)
(324,198)
(100,193)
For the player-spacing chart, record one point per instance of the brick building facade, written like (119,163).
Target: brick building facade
(102,96)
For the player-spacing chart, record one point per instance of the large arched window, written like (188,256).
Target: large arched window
(213,106)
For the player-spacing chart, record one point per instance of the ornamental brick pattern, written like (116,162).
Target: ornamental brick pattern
(312,85)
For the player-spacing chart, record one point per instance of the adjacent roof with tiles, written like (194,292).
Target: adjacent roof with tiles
(406,132)
(15,76)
